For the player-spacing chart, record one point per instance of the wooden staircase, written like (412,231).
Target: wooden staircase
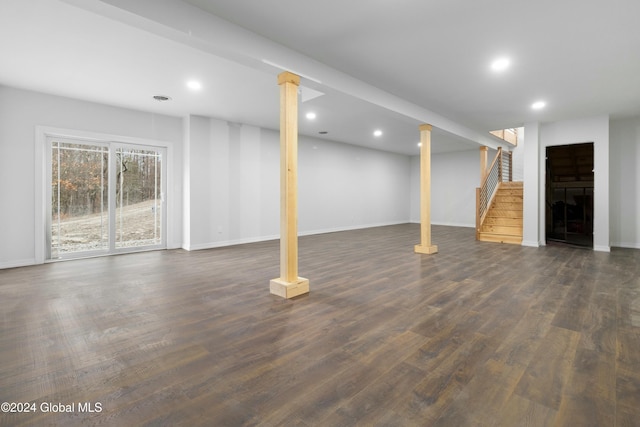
(503,221)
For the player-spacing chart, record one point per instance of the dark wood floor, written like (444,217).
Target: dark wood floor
(481,334)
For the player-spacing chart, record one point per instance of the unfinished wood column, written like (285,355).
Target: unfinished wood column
(289,285)
(483,162)
(425,247)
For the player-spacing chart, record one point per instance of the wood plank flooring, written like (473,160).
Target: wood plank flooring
(480,334)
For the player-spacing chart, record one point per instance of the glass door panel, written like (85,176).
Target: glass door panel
(558,215)
(79,220)
(579,216)
(572,216)
(138,215)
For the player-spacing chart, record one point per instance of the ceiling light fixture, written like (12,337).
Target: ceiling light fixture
(500,64)
(194,85)
(311,115)
(377,132)
(419,144)
(538,105)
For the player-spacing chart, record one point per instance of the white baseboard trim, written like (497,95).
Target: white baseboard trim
(601,248)
(347,228)
(221,244)
(531,243)
(454,224)
(17,263)
(447,224)
(628,245)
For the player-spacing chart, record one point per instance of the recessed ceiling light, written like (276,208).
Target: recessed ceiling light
(419,144)
(538,105)
(500,64)
(194,85)
(311,115)
(377,132)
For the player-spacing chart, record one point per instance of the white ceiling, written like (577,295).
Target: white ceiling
(381,64)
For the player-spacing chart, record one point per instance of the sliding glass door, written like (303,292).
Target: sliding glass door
(104,198)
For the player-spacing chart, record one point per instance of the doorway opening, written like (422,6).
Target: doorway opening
(569,194)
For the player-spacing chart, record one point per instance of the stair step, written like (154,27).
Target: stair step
(512,184)
(507,206)
(509,230)
(502,198)
(513,222)
(509,192)
(499,238)
(504,213)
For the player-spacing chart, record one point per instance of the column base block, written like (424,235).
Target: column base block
(289,289)
(428,250)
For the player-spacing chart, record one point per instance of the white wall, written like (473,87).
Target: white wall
(414,202)
(518,157)
(454,178)
(344,187)
(625,182)
(20,112)
(531,186)
(233,194)
(593,129)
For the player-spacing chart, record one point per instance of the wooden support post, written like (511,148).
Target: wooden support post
(483,162)
(289,285)
(425,246)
